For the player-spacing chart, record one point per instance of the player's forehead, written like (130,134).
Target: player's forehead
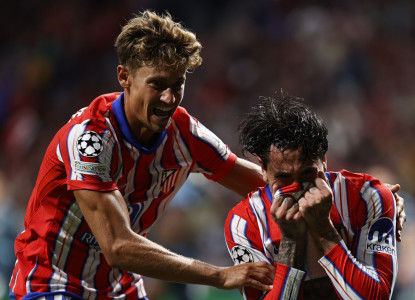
(288,161)
(161,73)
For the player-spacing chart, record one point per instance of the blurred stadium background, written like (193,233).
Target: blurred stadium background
(353,61)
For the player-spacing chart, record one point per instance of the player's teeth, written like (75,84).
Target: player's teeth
(163,108)
(162,112)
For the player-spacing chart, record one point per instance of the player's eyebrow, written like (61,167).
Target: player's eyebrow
(281,174)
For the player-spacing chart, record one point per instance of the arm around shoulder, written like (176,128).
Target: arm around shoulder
(245,177)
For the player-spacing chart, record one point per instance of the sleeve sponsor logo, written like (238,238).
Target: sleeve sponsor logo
(381,237)
(89,168)
(89,144)
(241,255)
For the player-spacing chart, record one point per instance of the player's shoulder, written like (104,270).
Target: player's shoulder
(92,118)
(357,184)
(355,178)
(352,178)
(96,112)
(245,208)
(181,114)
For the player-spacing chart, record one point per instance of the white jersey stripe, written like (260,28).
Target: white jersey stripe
(29,278)
(15,279)
(341,202)
(89,269)
(62,247)
(373,201)
(259,209)
(70,225)
(74,155)
(338,279)
(238,231)
(114,277)
(238,226)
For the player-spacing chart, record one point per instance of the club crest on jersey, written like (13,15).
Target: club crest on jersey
(381,237)
(241,255)
(168,179)
(89,144)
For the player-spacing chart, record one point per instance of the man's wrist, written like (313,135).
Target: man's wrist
(291,252)
(326,237)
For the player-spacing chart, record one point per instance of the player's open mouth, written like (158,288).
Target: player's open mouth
(162,112)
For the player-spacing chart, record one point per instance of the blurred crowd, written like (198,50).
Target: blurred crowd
(352,61)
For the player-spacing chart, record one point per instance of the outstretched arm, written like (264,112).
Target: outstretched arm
(108,218)
(244,177)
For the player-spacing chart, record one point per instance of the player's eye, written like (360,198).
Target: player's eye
(178,86)
(158,85)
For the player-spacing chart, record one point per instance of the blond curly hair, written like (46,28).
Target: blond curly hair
(149,39)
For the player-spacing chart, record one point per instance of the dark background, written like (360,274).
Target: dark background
(352,61)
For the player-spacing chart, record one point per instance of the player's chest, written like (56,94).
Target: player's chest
(152,175)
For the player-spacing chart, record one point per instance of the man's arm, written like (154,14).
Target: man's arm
(368,270)
(244,177)
(108,218)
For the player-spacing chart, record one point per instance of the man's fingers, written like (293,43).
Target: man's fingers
(262,277)
(393,187)
(399,225)
(321,183)
(258,285)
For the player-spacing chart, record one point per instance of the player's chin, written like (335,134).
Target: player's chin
(160,124)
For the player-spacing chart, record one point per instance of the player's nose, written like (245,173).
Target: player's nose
(167,96)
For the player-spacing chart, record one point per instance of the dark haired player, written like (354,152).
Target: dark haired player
(328,234)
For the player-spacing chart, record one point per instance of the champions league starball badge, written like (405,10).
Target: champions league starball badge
(241,255)
(90,144)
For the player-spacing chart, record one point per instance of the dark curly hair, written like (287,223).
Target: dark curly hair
(285,122)
(150,39)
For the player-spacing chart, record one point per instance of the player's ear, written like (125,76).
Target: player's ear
(325,163)
(123,76)
(264,171)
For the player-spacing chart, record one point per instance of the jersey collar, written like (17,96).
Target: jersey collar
(120,117)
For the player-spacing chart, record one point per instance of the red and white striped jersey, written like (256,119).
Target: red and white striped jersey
(95,150)
(361,266)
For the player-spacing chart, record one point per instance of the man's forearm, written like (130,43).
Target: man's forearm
(291,253)
(326,239)
(152,260)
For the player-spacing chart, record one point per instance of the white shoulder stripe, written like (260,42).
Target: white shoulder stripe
(342,204)
(373,201)
(58,153)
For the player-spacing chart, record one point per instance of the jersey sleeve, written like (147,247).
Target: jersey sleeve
(214,159)
(368,268)
(89,152)
(244,244)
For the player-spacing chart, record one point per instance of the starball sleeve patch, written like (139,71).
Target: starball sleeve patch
(241,255)
(89,144)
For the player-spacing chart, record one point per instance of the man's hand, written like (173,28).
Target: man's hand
(316,204)
(285,212)
(259,275)
(400,210)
